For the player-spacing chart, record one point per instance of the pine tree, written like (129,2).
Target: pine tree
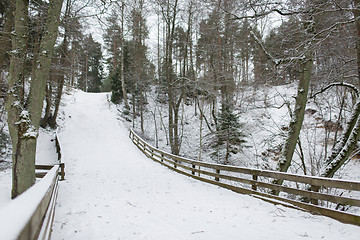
(91,61)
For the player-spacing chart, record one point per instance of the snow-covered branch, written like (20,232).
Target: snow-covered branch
(354,88)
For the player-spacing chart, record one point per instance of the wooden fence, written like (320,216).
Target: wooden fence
(30,216)
(326,200)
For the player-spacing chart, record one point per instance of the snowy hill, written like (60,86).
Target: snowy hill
(113,191)
(265,115)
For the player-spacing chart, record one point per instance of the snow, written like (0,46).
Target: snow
(5,187)
(112,191)
(45,149)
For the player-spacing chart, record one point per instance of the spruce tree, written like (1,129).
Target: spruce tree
(228,137)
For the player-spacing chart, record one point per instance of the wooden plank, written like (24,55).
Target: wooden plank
(45,232)
(48,167)
(40,174)
(44,167)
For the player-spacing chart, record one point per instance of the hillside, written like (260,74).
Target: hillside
(264,115)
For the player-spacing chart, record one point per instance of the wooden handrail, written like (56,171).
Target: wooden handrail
(26,216)
(258,182)
(48,167)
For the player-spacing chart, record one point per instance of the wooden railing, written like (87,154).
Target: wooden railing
(40,174)
(258,183)
(30,215)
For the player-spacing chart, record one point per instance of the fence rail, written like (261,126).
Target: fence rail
(30,216)
(324,198)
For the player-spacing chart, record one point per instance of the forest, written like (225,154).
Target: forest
(181,68)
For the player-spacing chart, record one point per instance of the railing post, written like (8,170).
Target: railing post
(313,200)
(58,149)
(217,172)
(254,186)
(193,172)
(62,169)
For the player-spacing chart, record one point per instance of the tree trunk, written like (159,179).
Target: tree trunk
(23,164)
(122,60)
(170,21)
(45,120)
(346,146)
(63,57)
(38,83)
(141,108)
(133,107)
(61,80)
(201,108)
(297,117)
(24,120)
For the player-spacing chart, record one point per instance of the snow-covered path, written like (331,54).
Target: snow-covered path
(112,191)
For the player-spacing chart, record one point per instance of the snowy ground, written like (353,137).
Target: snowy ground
(112,191)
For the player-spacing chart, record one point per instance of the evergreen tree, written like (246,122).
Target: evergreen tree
(115,77)
(92,71)
(228,138)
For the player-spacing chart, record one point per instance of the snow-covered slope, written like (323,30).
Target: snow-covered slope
(112,191)
(264,112)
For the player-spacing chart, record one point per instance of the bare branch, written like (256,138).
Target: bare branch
(263,14)
(355,89)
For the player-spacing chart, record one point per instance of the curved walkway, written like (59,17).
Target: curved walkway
(112,191)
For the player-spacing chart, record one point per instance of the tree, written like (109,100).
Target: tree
(228,137)
(115,42)
(91,65)
(94,64)
(24,113)
(115,76)
(141,71)
(61,63)
(170,11)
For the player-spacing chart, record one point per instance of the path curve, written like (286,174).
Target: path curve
(112,191)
